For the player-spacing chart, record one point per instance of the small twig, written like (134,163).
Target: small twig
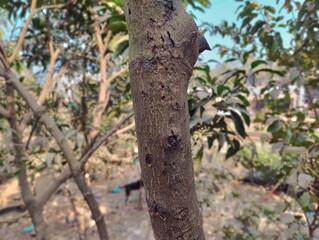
(32,130)
(61,5)
(89,152)
(117,74)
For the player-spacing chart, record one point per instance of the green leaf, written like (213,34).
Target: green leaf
(258,25)
(244,100)
(231,60)
(116,41)
(201,80)
(210,140)
(245,115)
(239,125)
(282,74)
(270,9)
(246,55)
(221,89)
(233,149)
(304,200)
(275,126)
(117,27)
(257,63)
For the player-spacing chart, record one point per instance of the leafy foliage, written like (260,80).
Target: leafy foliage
(292,77)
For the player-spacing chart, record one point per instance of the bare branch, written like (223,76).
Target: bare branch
(27,117)
(102,44)
(107,40)
(125,129)
(23,32)
(49,77)
(103,140)
(104,95)
(61,5)
(117,74)
(99,40)
(34,209)
(66,173)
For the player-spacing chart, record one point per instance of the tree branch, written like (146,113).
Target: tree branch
(103,97)
(54,6)
(117,74)
(34,209)
(23,32)
(103,140)
(74,165)
(27,117)
(66,173)
(4,113)
(49,77)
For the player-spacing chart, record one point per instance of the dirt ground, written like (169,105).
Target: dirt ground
(223,200)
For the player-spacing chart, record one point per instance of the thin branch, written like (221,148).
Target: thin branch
(66,173)
(54,6)
(125,129)
(28,116)
(104,139)
(117,74)
(107,40)
(23,32)
(49,77)
(30,136)
(99,40)
(102,44)
(103,97)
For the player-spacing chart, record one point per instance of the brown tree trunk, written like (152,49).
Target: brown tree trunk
(163,50)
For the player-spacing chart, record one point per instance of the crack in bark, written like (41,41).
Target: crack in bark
(171,39)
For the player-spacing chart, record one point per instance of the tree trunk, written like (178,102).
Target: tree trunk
(34,208)
(164,46)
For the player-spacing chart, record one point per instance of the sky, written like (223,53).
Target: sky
(225,10)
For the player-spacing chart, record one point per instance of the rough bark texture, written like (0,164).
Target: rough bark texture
(163,50)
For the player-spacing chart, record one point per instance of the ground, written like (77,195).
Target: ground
(224,202)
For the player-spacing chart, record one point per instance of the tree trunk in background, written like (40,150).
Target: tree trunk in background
(163,50)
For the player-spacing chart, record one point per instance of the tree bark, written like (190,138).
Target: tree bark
(34,208)
(164,46)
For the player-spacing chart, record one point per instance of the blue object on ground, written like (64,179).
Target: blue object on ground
(116,189)
(28,229)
